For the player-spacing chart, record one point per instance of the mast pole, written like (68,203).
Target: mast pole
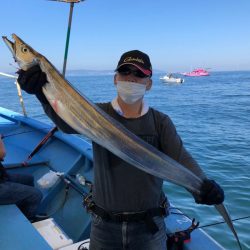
(67,39)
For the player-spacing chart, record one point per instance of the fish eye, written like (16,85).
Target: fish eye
(24,49)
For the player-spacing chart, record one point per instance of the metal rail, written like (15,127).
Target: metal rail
(19,91)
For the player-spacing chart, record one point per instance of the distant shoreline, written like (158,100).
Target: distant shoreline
(89,72)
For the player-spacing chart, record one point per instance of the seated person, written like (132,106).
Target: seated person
(18,189)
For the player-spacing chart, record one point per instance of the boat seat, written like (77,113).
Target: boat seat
(16,232)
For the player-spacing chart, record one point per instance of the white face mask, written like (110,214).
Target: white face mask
(130,92)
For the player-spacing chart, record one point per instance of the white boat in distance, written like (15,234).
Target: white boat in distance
(171,79)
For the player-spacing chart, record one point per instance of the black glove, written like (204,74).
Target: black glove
(210,194)
(32,81)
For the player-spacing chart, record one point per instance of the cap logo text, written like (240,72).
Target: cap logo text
(129,59)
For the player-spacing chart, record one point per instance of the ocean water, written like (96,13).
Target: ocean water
(211,114)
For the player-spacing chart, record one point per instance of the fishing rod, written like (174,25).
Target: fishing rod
(19,92)
(207,225)
(223,222)
(40,144)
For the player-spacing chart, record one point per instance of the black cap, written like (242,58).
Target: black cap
(138,59)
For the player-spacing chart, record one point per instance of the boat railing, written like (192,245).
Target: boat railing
(19,91)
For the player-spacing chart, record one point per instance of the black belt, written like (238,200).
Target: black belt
(146,216)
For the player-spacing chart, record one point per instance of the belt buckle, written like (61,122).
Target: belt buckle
(119,217)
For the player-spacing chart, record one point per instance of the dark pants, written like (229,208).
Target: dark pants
(107,235)
(19,189)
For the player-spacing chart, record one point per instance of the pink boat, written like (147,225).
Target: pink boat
(196,72)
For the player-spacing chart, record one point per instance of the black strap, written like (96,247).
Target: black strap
(129,217)
(146,216)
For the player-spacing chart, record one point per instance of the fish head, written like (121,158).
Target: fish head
(24,55)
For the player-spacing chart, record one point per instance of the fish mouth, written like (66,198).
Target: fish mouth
(23,54)
(9,44)
(12,45)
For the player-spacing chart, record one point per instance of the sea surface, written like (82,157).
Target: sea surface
(211,114)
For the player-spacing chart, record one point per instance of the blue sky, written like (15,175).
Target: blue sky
(178,35)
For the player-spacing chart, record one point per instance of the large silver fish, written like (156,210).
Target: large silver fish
(88,119)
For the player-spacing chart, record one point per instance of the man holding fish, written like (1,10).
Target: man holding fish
(128,204)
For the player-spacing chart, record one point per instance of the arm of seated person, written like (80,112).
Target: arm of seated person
(2,149)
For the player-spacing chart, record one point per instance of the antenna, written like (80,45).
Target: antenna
(72,2)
